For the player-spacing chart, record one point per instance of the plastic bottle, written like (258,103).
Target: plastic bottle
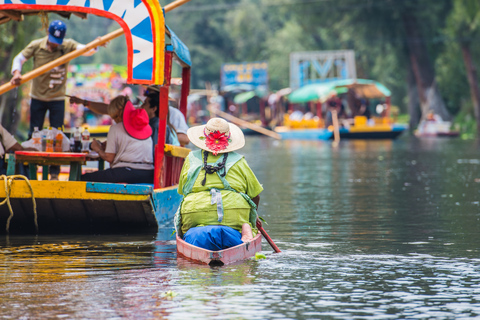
(72,144)
(59,140)
(77,138)
(85,140)
(44,139)
(49,142)
(37,139)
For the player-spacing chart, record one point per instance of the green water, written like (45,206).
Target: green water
(371,229)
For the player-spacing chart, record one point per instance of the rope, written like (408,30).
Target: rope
(212,169)
(8,181)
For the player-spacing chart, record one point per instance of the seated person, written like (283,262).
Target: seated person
(151,105)
(296,115)
(221,193)
(8,144)
(176,119)
(128,147)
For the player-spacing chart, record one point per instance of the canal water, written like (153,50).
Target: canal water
(368,230)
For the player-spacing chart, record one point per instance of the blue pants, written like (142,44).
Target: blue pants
(213,237)
(38,109)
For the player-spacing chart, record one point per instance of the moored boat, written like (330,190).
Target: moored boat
(435,128)
(32,206)
(221,257)
(351,99)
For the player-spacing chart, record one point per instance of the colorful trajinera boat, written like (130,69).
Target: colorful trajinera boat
(359,122)
(83,207)
(221,257)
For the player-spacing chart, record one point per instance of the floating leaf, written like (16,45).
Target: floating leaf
(259,256)
(170,294)
(201,138)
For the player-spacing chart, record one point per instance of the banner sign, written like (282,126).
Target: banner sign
(252,73)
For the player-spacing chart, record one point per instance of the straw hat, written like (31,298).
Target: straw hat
(136,122)
(217,136)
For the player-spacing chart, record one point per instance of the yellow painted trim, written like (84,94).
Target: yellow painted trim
(176,151)
(64,190)
(165,189)
(380,128)
(158,21)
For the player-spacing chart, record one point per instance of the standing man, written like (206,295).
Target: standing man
(48,90)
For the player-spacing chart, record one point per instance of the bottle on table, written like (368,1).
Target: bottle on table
(44,139)
(85,140)
(59,140)
(37,139)
(49,142)
(77,138)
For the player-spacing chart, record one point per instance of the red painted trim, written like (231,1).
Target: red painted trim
(185,91)
(319,109)
(388,103)
(263,119)
(168,68)
(102,13)
(162,125)
(63,155)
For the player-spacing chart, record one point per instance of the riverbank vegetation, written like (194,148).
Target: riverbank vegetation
(424,51)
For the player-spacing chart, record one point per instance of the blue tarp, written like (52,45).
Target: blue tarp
(180,49)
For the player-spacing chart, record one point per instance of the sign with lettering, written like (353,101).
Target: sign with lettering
(252,73)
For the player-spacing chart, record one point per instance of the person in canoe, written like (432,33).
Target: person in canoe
(221,192)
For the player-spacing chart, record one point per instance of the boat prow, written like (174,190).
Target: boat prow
(219,258)
(86,207)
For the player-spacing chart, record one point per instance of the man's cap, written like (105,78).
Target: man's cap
(56,31)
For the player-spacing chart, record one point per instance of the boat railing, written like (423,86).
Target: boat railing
(172,164)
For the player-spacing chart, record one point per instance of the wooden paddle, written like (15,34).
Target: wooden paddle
(336,130)
(267,237)
(72,55)
(246,124)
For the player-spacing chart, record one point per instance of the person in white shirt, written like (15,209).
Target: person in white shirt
(8,144)
(128,148)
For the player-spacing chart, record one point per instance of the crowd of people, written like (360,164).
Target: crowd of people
(125,149)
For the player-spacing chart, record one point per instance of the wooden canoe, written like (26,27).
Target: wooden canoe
(222,257)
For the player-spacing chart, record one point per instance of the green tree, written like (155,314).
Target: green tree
(464,25)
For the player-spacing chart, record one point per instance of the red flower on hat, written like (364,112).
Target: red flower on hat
(216,141)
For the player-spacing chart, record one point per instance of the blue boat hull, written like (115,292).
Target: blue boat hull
(307,134)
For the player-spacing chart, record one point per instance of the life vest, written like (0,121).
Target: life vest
(196,166)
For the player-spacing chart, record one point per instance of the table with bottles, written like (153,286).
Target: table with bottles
(50,152)
(34,158)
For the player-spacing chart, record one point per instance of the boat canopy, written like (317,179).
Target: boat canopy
(244,97)
(143,24)
(322,91)
(179,48)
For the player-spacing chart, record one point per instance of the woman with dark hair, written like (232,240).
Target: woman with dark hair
(151,105)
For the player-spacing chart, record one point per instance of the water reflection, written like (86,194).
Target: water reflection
(377,229)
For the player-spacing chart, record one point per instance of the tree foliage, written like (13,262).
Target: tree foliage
(383,34)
